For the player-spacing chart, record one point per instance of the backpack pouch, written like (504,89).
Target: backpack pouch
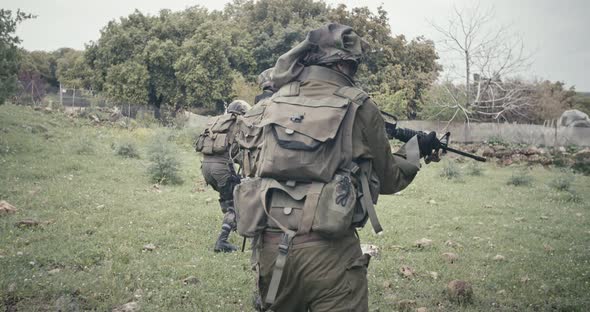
(220,143)
(285,209)
(301,139)
(250,215)
(336,206)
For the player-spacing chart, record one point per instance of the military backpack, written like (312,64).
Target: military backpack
(216,138)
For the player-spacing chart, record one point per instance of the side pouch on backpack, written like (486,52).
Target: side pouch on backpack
(248,202)
(204,144)
(200,143)
(336,206)
(220,144)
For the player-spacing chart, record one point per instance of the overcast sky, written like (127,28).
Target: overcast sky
(555,32)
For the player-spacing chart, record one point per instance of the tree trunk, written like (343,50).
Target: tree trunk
(157,112)
(467,78)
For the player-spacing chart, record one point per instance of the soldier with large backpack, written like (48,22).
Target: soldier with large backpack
(324,160)
(215,143)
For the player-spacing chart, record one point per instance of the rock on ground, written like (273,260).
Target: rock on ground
(5,207)
(460,291)
(128,307)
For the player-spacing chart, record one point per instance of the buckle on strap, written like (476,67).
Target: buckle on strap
(285,244)
(277,273)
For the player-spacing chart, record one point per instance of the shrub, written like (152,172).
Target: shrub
(496,140)
(581,163)
(450,171)
(127,123)
(563,182)
(475,169)
(83,145)
(520,178)
(573,196)
(127,149)
(165,167)
(146,120)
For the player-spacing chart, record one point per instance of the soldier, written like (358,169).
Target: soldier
(217,166)
(248,136)
(325,158)
(265,83)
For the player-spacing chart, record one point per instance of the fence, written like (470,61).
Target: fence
(550,134)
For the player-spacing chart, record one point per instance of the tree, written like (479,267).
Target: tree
(396,70)
(489,56)
(128,82)
(9,53)
(73,71)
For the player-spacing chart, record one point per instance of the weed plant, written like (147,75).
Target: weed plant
(451,171)
(474,169)
(521,178)
(127,123)
(83,145)
(563,182)
(126,148)
(165,166)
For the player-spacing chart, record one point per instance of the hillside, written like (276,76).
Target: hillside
(85,217)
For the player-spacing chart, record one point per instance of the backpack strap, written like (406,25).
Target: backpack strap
(358,97)
(281,259)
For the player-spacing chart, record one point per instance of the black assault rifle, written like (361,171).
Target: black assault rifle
(405,135)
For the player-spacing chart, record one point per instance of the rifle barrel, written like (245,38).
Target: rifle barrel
(462,153)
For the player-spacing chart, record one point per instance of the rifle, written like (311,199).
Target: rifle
(404,135)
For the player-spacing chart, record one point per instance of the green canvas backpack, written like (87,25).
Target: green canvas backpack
(216,138)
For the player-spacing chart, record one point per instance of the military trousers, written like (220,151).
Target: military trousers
(319,275)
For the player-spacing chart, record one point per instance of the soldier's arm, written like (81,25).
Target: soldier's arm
(395,171)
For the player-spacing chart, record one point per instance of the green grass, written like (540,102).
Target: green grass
(103,209)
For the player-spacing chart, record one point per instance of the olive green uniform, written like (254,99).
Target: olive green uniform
(330,275)
(218,171)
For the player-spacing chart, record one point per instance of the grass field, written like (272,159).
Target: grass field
(97,211)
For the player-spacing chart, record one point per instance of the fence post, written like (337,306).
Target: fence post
(73,98)
(555,138)
(61,96)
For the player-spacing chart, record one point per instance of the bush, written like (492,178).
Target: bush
(165,167)
(127,149)
(573,196)
(91,112)
(496,140)
(146,120)
(581,163)
(127,123)
(83,145)
(563,182)
(451,171)
(521,178)
(475,169)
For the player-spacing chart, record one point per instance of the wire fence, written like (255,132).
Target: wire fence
(550,134)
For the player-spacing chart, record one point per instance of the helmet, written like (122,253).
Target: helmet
(238,107)
(333,43)
(265,79)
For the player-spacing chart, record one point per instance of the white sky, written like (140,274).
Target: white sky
(556,32)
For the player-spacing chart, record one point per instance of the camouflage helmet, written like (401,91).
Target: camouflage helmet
(238,107)
(333,43)
(265,79)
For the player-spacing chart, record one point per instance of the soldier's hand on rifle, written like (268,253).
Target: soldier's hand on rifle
(429,146)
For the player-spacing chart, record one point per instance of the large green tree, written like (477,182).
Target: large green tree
(193,58)
(9,53)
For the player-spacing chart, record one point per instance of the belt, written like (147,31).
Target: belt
(276,237)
